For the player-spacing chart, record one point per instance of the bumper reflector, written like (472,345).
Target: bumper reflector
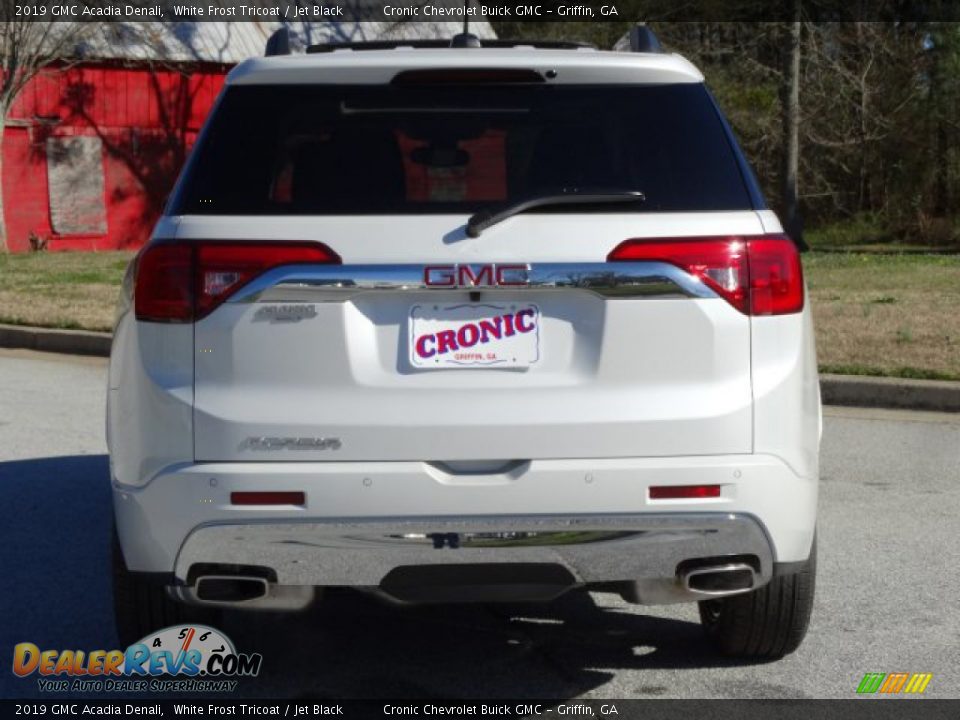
(683,492)
(268,498)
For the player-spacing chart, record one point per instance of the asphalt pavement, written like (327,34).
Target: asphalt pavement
(888,596)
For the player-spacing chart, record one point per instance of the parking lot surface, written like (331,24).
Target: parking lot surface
(888,597)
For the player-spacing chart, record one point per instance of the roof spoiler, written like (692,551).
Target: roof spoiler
(278,43)
(437,43)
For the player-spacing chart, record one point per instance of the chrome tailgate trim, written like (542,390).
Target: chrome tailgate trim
(338,283)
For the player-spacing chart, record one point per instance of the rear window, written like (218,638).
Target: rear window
(409,149)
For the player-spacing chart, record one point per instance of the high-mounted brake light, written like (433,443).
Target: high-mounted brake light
(181,282)
(467,76)
(758,275)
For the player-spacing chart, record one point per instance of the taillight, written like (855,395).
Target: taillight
(163,291)
(224,267)
(776,276)
(185,281)
(758,275)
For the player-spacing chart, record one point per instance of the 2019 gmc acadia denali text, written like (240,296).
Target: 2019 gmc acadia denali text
(467,325)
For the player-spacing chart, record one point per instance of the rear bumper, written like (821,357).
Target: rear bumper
(642,550)
(361,521)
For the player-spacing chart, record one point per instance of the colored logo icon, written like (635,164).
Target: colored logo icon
(894,683)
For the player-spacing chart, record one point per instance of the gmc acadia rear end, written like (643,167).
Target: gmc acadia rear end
(452,325)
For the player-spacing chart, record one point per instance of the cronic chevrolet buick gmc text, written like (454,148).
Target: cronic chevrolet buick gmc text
(491,321)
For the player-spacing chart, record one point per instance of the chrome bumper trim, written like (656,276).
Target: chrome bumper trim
(643,549)
(337,283)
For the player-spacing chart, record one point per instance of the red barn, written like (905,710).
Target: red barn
(91,150)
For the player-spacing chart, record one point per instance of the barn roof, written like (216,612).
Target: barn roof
(232,42)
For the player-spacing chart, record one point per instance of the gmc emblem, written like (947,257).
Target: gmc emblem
(489,275)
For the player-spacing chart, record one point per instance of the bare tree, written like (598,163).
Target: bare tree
(860,82)
(26,47)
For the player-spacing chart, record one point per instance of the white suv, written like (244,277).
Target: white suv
(467,324)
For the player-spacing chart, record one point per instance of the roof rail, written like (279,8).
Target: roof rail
(428,44)
(278,43)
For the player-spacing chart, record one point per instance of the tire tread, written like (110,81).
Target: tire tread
(141,607)
(769,622)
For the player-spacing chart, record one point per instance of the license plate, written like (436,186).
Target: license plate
(474,334)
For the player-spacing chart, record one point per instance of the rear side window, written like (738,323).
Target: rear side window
(409,149)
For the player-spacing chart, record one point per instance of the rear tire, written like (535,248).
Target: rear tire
(767,623)
(141,607)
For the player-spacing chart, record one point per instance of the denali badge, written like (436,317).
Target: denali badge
(290,443)
(286,313)
(489,275)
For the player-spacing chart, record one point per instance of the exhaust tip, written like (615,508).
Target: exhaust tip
(720,579)
(230,588)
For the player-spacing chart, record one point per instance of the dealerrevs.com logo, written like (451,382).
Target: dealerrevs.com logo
(182,658)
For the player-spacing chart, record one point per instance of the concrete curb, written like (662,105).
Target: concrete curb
(896,393)
(73,342)
(852,390)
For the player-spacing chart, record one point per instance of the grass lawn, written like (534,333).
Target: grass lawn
(886,314)
(875,314)
(62,290)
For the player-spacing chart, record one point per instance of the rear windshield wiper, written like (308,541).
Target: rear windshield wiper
(491,216)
